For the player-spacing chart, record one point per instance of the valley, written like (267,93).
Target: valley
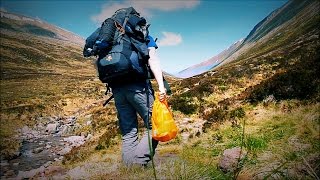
(254,116)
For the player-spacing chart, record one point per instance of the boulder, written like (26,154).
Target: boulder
(31,173)
(51,128)
(89,136)
(37,150)
(64,151)
(230,158)
(25,130)
(75,140)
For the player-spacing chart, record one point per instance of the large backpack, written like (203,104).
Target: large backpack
(121,46)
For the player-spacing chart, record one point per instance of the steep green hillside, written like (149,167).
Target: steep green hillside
(277,18)
(285,63)
(28,28)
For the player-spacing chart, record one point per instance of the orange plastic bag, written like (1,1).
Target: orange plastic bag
(163,125)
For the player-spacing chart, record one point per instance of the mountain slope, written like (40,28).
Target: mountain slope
(19,23)
(271,77)
(287,46)
(210,63)
(291,20)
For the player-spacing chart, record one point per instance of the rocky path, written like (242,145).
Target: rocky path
(53,137)
(46,143)
(43,144)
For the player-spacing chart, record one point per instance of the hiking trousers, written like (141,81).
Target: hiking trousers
(131,100)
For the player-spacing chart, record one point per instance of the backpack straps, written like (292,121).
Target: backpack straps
(122,28)
(125,22)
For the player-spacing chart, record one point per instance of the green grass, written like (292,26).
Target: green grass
(274,141)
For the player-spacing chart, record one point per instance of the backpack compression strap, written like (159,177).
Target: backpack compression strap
(122,27)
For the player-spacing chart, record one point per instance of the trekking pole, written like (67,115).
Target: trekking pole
(149,139)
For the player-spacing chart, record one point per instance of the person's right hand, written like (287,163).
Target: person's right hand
(162,94)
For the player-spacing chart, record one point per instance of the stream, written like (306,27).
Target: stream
(36,154)
(42,145)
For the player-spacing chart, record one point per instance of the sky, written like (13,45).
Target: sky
(188,31)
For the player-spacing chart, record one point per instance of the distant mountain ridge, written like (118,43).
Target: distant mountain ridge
(271,27)
(21,23)
(210,63)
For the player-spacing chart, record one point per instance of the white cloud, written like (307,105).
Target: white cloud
(145,8)
(170,39)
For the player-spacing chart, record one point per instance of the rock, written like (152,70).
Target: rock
(40,127)
(71,119)
(64,151)
(47,164)
(197,132)
(185,90)
(88,118)
(10,173)
(185,137)
(53,170)
(89,137)
(269,100)
(88,123)
(31,173)
(78,173)
(4,163)
(60,176)
(64,130)
(84,134)
(75,140)
(37,150)
(77,126)
(193,127)
(51,128)
(25,130)
(230,158)
(4,171)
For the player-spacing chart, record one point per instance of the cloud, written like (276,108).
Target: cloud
(145,8)
(170,39)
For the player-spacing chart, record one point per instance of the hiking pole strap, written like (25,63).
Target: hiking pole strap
(107,101)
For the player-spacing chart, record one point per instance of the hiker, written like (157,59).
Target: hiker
(130,99)
(132,93)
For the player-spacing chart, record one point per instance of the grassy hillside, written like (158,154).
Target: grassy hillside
(41,76)
(286,63)
(275,87)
